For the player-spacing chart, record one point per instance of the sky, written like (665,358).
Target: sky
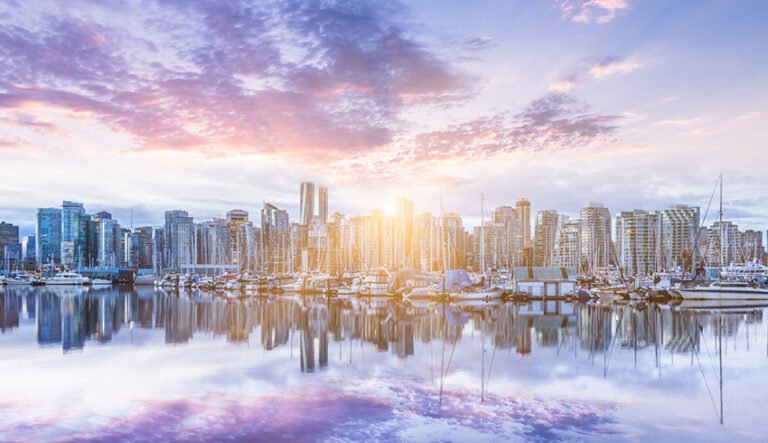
(207,106)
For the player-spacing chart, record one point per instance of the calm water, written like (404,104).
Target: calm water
(139,365)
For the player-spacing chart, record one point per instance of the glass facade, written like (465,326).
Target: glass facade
(48,236)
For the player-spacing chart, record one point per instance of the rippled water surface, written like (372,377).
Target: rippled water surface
(139,364)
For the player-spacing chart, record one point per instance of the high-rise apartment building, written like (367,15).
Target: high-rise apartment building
(426,242)
(179,239)
(454,239)
(403,232)
(595,237)
(489,246)
(110,243)
(679,228)
(249,247)
(140,248)
(545,235)
(307,203)
(724,244)
(276,239)
(213,242)
(523,207)
(9,235)
(511,248)
(235,219)
(322,204)
(638,242)
(568,245)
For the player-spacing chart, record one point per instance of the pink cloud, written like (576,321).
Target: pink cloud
(587,11)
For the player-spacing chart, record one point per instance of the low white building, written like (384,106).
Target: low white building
(545,281)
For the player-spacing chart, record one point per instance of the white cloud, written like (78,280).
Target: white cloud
(611,67)
(677,121)
(587,11)
(562,86)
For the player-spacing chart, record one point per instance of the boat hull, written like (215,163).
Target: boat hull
(721,304)
(479,295)
(18,282)
(715,294)
(145,280)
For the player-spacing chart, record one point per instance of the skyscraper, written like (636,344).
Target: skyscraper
(307,203)
(568,245)
(322,204)
(235,219)
(454,239)
(179,236)
(214,242)
(9,235)
(595,237)
(489,246)
(140,248)
(724,244)
(523,207)
(48,236)
(547,226)
(403,232)
(524,212)
(276,239)
(28,247)
(512,246)
(249,247)
(110,234)
(679,227)
(72,232)
(426,242)
(638,242)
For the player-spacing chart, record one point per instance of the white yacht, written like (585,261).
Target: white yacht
(297,285)
(724,290)
(477,293)
(19,280)
(423,292)
(101,282)
(375,283)
(66,279)
(145,280)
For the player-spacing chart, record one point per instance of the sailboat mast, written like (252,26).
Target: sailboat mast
(722,237)
(482,233)
(442,234)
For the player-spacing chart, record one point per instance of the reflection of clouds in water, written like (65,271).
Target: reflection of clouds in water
(201,361)
(530,418)
(362,411)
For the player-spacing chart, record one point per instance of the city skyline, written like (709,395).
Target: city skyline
(638,241)
(639,105)
(142,216)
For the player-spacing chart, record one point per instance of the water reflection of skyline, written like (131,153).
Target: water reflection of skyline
(70,317)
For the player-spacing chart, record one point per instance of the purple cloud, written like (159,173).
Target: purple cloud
(554,121)
(313,79)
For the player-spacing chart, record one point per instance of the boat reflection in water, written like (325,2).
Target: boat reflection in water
(536,370)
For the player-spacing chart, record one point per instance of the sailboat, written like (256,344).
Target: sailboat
(724,289)
(482,291)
